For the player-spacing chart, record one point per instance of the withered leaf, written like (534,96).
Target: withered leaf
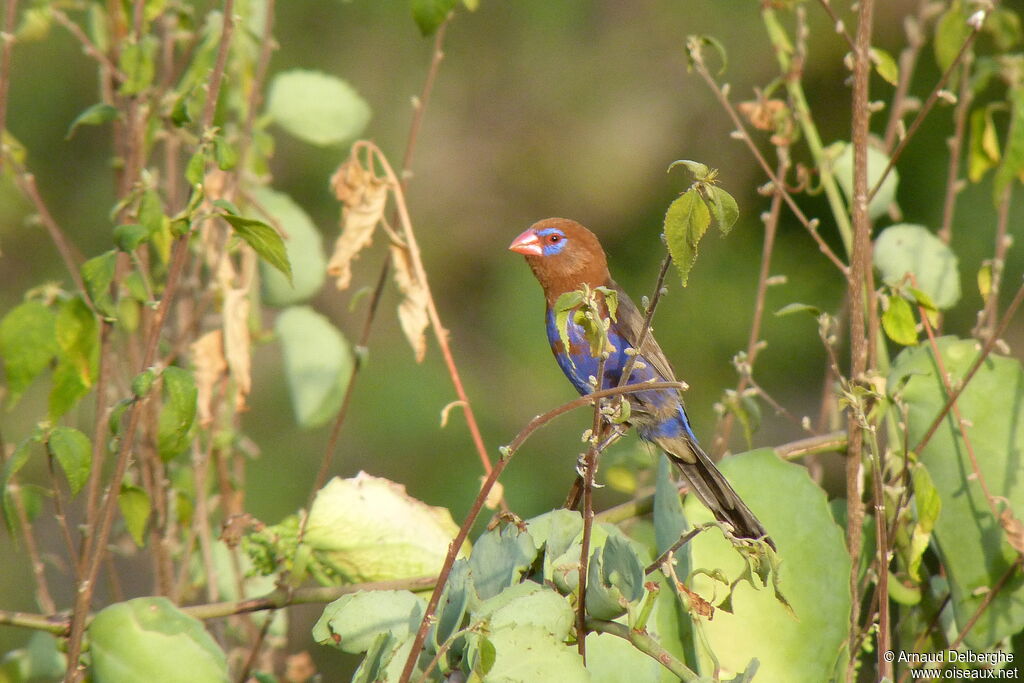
(210,366)
(412,311)
(363,195)
(237,345)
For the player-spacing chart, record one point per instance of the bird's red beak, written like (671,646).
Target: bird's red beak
(527,244)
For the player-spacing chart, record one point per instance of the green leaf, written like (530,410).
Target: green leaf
(1012,166)
(73,451)
(180,114)
(77,334)
(669,521)
(814,568)
(27,345)
(898,321)
(564,305)
(1003,24)
(304,247)
(138,62)
(177,413)
(18,459)
(264,239)
(885,65)
(906,248)
(430,14)
(98,274)
(129,236)
(928,505)
(317,364)
(970,542)
(983,150)
(352,622)
(723,208)
(224,153)
(195,170)
(686,221)
(96,115)
(700,171)
(367,528)
(530,653)
(135,508)
(527,603)
(951,32)
(500,558)
(615,579)
(878,161)
(320,109)
(133,640)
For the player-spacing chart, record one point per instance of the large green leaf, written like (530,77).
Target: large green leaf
(304,247)
(686,221)
(178,412)
(814,576)
(969,539)
(320,109)
(352,622)
(369,529)
(73,451)
(149,640)
(907,248)
(530,653)
(27,344)
(317,364)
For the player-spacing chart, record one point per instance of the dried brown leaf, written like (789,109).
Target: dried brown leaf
(698,605)
(237,344)
(412,310)
(210,366)
(364,196)
(1013,528)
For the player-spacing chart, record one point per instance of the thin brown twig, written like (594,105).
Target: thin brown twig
(589,467)
(975,366)
(926,108)
(440,333)
(72,258)
(217,76)
(986,601)
(771,224)
(907,62)
(371,313)
(43,596)
(857,281)
(97,548)
(956,144)
(837,23)
(991,311)
(741,130)
(88,46)
(507,452)
(945,379)
(60,624)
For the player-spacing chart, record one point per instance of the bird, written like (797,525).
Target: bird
(565,256)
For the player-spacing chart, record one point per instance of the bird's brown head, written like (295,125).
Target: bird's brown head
(563,255)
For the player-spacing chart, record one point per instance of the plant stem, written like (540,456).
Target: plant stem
(857,285)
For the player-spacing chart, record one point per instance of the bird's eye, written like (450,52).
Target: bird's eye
(554,239)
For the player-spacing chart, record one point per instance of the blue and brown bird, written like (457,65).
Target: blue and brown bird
(565,256)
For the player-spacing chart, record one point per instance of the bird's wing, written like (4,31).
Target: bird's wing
(630,323)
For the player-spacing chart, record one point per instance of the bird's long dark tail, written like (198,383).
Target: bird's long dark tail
(713,489)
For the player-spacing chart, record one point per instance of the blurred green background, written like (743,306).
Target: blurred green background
(540,109)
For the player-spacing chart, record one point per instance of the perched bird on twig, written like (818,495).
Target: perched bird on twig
(565,256)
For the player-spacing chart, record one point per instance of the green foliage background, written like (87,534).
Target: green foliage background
(541,108)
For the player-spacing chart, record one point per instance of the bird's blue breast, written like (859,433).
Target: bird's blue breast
(658,413)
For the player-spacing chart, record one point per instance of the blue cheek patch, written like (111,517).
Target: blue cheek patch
(552,249)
